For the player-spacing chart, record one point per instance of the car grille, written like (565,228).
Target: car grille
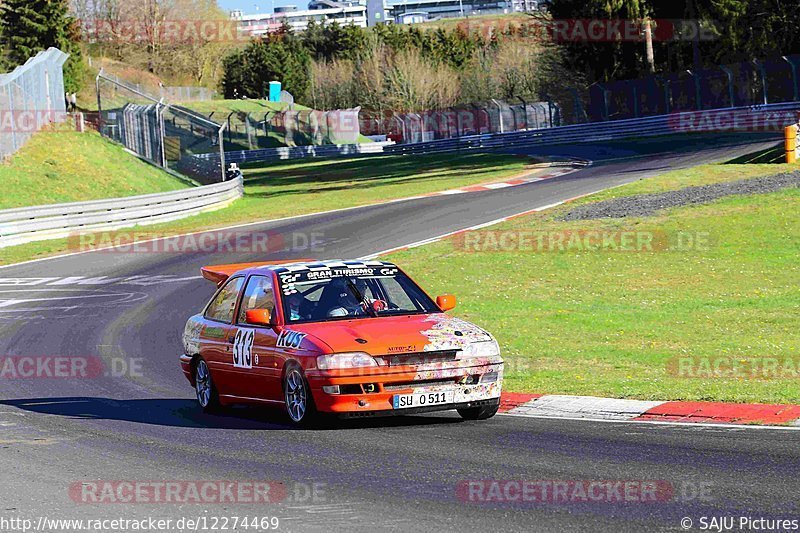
(416,358)
(421,383)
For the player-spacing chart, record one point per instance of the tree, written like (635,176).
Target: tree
(30,26)
(603,61)
(247,73)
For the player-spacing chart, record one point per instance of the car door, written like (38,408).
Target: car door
(216,341)
(254,345)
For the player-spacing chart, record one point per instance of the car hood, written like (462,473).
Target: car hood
(395,335)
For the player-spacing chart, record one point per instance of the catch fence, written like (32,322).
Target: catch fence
(167,135)
(31,97)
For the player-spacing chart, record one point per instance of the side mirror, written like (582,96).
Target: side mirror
(259,317)
(446,302)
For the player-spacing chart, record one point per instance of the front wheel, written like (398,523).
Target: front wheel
(297,396)
(204,387)
(479,413)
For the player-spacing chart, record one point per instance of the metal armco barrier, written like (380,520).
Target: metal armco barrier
(300,152)
(28,224)
(771,117)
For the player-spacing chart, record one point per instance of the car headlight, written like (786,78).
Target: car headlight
(482,349)
(345,360)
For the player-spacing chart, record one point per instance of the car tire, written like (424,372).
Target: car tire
(297,397)
(479,413)
(204,388)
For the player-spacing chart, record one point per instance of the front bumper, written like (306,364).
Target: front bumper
(465,383)
(420,410)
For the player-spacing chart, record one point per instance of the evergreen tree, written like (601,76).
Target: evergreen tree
(280,57)
(30,26)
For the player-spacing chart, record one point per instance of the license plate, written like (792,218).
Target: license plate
(422,399)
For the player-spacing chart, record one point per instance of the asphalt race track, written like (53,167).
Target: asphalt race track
(386,474)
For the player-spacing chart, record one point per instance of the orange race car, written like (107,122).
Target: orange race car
(354,338)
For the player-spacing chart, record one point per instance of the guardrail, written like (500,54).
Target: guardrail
(770,117)
(28,224)
(300,152)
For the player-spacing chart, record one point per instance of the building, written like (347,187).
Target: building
(321,11)
(365,13)
(412,11)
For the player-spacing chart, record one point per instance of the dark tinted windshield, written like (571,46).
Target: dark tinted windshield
(333,294)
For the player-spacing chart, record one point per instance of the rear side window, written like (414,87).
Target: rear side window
(223,305)
(257,295)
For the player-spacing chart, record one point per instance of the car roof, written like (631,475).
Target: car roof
(219,273)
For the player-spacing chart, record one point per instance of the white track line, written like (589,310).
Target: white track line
(484,224)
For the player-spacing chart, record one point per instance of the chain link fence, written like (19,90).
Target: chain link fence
(31,97)
(495,116)
(748,83)
(187,94)
(290,127)
(169,136)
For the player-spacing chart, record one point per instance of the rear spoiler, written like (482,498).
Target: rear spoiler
(219,273)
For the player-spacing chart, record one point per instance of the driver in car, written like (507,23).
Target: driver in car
(295,302)
(348,302)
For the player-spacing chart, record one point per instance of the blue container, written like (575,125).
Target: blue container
(274,91)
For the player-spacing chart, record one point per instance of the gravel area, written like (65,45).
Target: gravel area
(649,204)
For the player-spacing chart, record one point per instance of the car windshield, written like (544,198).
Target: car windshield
(335,294)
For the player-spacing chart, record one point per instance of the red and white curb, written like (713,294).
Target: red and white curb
(478,226)
(501,184)
(612,409)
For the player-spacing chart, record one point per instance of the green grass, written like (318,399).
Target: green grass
(477,22)
(67,166)
(309,186)
(224,107)
(611,323)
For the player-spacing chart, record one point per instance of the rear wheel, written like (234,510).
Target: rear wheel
(204,388)
(479,413)
(297,396)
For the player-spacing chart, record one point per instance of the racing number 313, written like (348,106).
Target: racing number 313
(243,348)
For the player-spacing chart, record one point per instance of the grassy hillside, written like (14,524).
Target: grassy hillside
(67,166)
(616,323)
